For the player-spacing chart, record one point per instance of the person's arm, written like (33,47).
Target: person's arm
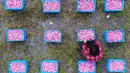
(97,44)
(85,48)
(84,44)
(85,40)
(100,47)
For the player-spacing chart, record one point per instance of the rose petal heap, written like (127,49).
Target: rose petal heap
(51,6)
(49,67)
(87,5)
(116,66)
(18,67)
(53,36)
(85,34)
(15,35)
(114,4)
(87,67)
(12,4)
(114,36)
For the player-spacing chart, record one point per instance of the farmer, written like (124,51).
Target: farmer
(92,50)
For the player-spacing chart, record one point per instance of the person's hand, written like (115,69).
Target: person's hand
(85,41)
(91,38)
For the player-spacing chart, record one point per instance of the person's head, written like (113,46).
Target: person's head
(94,50)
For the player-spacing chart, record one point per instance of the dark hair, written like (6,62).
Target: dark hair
(94,50)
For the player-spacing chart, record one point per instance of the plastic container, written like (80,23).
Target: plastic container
(83,34)
(52,36)
(112,36)
(86,6)
(14,5)
(15,35)
(49,66)
(18,66)
(85,66)
(51,6)
(114,5)
(116,65)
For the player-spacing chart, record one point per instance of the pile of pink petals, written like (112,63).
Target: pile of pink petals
(115,36)
(88,5)
(14,3)
(53,36)
(85,35)
(87,67)
(17,67)
(51,6)
(15,35)
(116,66)
(49,67)
(114,4)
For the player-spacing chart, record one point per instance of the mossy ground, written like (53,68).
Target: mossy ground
(68,53)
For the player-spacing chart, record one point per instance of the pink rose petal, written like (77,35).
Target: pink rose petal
(88,5)
(86,67)
(49,67)
(114,4)
(53,36)
(51,6)
(114,36)
(15,35)
(14,3)
(85,34)
(17,67)
(116,66)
